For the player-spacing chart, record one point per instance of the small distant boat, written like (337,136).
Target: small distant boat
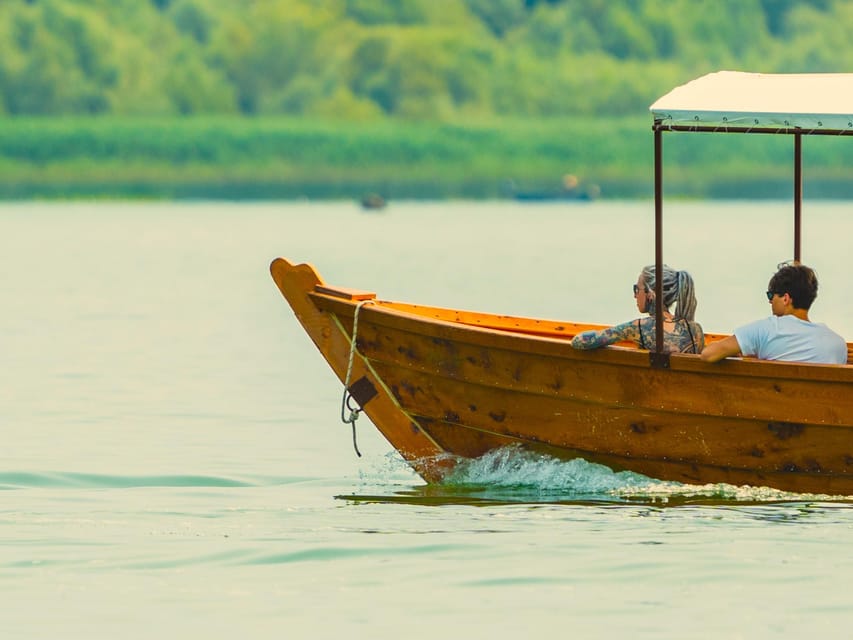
(372,201)
(570,188)
(444,384)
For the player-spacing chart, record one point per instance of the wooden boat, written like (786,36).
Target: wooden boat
(444,384)
(570,188)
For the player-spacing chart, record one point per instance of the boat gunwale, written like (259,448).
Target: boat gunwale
(621,355)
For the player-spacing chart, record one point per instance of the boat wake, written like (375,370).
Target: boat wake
(516,475)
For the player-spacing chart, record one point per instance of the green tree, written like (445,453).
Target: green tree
(398,59)
(194,88)
(192,19)
(262,56)
(500,16)
(399,12)
(58,60)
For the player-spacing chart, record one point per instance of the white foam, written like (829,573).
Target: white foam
(520,470)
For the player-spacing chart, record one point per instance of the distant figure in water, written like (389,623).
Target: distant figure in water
(372,201)
(681,334)
(788,334)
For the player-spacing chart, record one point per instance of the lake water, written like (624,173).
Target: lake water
(174,465)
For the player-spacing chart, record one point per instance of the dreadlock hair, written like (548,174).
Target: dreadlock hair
(678,289)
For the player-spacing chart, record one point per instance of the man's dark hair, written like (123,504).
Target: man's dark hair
(798,281)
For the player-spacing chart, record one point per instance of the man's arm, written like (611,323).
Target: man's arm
(720,349)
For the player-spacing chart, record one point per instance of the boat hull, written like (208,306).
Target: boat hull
(451,384)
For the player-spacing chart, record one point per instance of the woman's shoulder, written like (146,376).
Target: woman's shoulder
(645,322)
(695,326)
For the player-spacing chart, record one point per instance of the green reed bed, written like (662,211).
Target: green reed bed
(290,158)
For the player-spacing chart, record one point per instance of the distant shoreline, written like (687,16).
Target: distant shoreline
(287,159)
(253,191)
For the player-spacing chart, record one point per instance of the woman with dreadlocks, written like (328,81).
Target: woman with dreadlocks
(681,334)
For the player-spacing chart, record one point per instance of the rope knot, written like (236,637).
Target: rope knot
(354,411)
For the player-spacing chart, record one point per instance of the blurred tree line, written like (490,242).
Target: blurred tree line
(406,59)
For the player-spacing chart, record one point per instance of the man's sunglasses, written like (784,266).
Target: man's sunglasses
(770,294)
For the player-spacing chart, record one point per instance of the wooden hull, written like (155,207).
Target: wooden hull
(455,384)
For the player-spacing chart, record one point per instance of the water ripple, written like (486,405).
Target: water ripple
(320,554)
(59,480)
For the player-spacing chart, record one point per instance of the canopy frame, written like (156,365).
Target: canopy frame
(665,122)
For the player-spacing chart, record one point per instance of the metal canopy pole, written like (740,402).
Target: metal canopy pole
(798,192)
(658,359)
(798,161)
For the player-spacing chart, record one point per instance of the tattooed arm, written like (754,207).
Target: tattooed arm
(595,339)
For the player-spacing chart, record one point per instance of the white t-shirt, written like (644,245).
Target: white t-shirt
(789,338)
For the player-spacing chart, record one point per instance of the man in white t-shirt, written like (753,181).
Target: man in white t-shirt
(788,334)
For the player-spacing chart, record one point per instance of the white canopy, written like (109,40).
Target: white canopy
(810,101)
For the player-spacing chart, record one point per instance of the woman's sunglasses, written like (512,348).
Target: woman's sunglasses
(637,290)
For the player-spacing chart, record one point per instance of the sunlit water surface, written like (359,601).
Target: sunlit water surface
(175,467)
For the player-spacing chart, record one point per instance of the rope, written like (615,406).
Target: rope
(347,397)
